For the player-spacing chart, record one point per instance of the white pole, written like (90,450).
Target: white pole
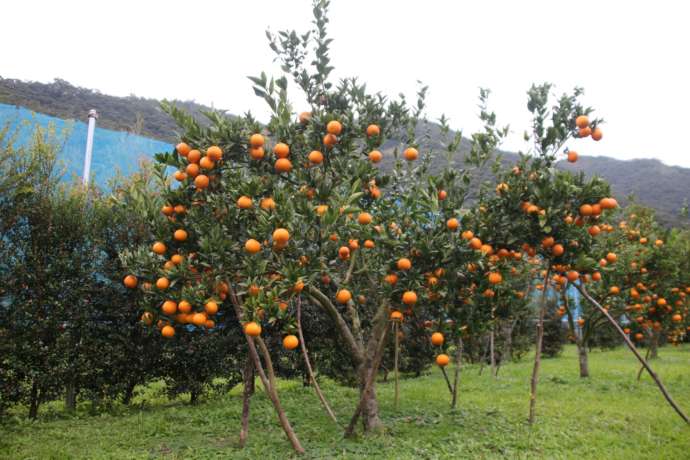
(89,146)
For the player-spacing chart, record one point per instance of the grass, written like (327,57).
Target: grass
(607,416)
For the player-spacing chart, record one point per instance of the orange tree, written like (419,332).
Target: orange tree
(554,214)
(263,220)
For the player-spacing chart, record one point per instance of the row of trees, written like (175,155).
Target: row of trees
(299,215)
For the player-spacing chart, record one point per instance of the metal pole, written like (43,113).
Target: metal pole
(93,115)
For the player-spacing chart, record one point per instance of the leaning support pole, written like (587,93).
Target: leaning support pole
(537,352)
(271,392)
(630,345)
(307,363)
(369,384)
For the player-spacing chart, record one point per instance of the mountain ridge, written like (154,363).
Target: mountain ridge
(652,183)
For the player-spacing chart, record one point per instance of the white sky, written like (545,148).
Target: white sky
(630,56)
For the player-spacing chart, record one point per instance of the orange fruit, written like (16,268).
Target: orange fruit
(283,165)
(183,149)
(558,250)
(611,257)
(184,306)
(597,134)
(596,276)
(180,209)
(437,339)
(130,281)
(572,276)
(290,342)
(214,153)
(281,150)
(343,296)
(252,329)
(180,235)
(594,230)
(167,210)
(375,156)
(582,121)
(442,360)
(176,259)
(677,318)
(168,332)
(572,156)
(206,163)
(548,242)
(391,278)
(396,315)
(281,235)
(586,210)
(199,319)
(334,127)
(211,307)
(495,278)
(373,130)
(404,264)
(304,117)
(329,140)
(162,283)
(585,132)
(442,195)
(411,154)
(180,176)
(409,298)
(364,218)
(256,140)
(369,244)
(267,203)
(244,202)
(452,224)
(252,246)
(147,318)
(475,243)
(315,157)
(159,248)
(344,252)
(169,307)
(194,156)
(201,181)
(257,153)
(192,170)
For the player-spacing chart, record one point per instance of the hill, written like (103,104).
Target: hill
(652,183)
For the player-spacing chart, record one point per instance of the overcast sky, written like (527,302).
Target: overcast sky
(631,57)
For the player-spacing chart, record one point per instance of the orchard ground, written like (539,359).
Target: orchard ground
(610,416)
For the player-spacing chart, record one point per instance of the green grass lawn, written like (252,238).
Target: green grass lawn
(608,416)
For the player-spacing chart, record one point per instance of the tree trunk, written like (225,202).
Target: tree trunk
(71,397)
(458,366)
(537,352)
(653,344)
(194,397)
(129,392)
(492,352)
(395,359)
(632,348)
(368,405)
(34,403)
(247,392)
(582,356)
